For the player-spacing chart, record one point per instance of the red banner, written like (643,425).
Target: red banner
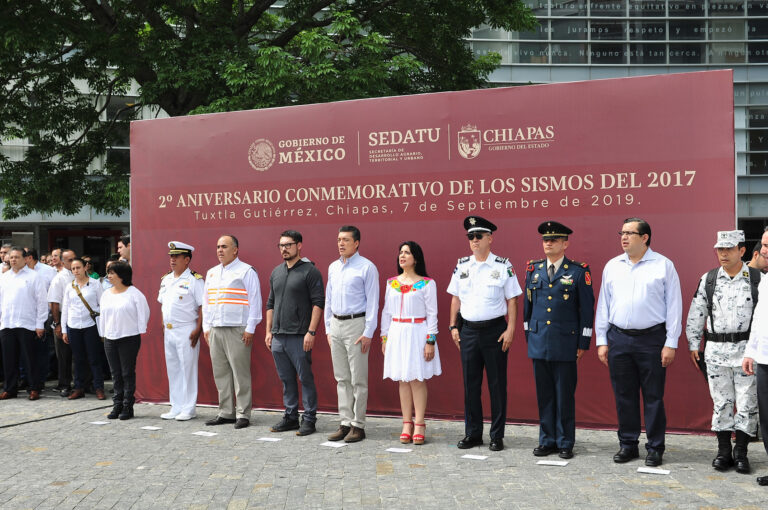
(587,154)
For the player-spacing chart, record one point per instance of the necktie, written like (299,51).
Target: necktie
(551,272)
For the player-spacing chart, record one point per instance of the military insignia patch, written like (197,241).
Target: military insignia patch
(536,277)
(495,275)
(529,268)
(566,296)
(745,274)
(510,271)
(587,278)
(464,275)
(566,279)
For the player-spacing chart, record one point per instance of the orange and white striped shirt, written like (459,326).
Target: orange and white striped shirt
(232,297)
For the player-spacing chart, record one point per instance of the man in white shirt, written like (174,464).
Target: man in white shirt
(231,312)
(45,352)
(23,311)
(755,360)
(638,322)
(55,295)
(181,296)
(351,316)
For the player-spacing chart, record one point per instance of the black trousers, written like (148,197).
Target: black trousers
(18,345)
(122,354)
(761,372)
(555,395)
(481,350)
(635,366)
(64,357)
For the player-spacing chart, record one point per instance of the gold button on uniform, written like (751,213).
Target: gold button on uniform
(549,309)
(549,297)
(548,322)
(550,285)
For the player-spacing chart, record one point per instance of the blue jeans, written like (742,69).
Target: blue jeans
(291,360)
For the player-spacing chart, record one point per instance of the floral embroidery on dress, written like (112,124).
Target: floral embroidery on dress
(404,288)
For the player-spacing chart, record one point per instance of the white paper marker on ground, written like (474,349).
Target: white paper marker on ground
(98,422)
(399,450)
(474,457)
(653,471)
(150,427)
(270,439)
(553,462)
(333,444)
(204,433)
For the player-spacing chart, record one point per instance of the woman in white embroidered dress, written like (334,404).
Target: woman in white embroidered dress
(408,336)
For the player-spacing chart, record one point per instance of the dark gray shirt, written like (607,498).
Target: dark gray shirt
(292,294)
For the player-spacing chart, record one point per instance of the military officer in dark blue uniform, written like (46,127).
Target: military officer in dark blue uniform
(558,318)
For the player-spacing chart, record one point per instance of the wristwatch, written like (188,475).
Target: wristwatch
(311,332)
(54,324)
(451,328)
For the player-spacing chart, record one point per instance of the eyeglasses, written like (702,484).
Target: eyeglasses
(475,235)
(627,233)
(285,246)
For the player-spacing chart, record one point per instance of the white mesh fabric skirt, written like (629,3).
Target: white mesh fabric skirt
(404,355)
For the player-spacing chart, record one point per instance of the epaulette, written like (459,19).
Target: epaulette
(502,260)
(537,261)
(166,274)
(532,263)
(462,260)
(197,275)
(582,264)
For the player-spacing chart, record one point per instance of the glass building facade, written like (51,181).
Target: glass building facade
(591,39)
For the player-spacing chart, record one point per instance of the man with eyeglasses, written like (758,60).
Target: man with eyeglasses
(484,289)
(294,308)
(637,325)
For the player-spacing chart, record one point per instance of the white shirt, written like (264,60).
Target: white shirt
(59,283)
(181,297)
(22,300)
(353,288)
(74,314)
(124,314)
(757,347)
(252,286)
(638,296)
(484,287)
(46,272)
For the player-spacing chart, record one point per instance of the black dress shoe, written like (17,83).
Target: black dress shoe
(219,421)
(469,442)
(543,451)
(496,445)
(241,423)
(762,480)
(653,458)
(625,455)
(566,453)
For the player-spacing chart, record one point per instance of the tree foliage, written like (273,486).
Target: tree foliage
(199,56)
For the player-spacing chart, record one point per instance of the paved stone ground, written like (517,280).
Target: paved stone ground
(52,457)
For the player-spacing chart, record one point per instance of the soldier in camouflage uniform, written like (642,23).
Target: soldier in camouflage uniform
(726,339)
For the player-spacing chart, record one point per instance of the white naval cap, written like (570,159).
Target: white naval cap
(179,248)
(729,238)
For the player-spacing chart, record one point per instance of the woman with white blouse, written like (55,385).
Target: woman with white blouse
(124,317)
(80,328)
(409,335)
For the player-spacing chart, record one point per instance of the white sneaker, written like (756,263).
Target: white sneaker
(169,415)
(185,417)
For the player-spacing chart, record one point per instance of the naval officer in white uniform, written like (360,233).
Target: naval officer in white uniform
(181,296)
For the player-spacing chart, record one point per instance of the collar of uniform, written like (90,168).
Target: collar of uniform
(229,266)
(558,263)
(744,269)
(354,258)
(187,270)
(489,260)
(24,269)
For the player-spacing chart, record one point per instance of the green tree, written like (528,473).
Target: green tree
(199,56)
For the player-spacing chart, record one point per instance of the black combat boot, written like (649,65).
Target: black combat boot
(116,410)
(740,453)
(724,459)
(127,413)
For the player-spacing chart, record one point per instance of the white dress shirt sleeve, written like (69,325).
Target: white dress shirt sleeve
(386,315)
(198,291)
(42,303)
(64,312)
(206,315)
(142,311)
(430,303)
(674,300)
(251,280)
(602,312)
(371,300)
(327,312)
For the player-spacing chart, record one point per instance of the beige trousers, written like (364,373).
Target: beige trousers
(350,368)
(231,363)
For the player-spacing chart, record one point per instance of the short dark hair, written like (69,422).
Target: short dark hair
(642,226)
(234,239)
(758,247)
(33,253)
(123,271)
(418,256)
(18,248)
(126,240)
(354,230)
(114,257)
(293,234)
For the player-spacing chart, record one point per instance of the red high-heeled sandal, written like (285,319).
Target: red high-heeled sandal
(406,438)
(419,438)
